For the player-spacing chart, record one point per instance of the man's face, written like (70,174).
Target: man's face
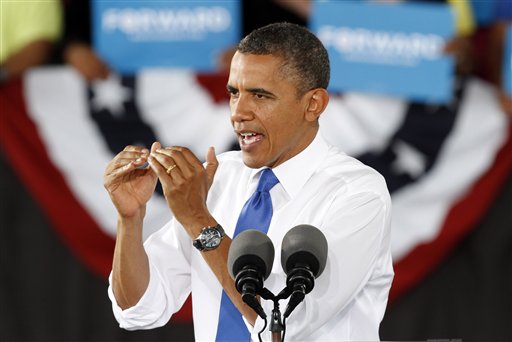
(266,113)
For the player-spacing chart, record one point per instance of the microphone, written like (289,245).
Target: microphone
(303,258)
(250,260)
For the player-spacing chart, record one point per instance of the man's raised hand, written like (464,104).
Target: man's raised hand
(129,184)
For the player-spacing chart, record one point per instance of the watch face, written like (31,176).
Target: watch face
(211,238)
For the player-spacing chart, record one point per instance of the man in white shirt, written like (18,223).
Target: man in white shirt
(277,83)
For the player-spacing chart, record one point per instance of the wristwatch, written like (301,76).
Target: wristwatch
(209,238)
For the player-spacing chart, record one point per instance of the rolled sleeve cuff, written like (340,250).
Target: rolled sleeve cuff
(148,313)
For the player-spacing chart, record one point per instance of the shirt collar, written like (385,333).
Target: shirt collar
(295,172)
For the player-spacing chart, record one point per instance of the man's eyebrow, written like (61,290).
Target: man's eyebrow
(260,91)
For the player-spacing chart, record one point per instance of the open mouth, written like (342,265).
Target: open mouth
(248,139)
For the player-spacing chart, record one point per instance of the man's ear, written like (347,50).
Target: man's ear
(317,100)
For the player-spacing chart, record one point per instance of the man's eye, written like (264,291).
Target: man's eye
(260,96)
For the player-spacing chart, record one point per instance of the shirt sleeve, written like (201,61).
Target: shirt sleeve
(30,21)
(358,271)
(169,283)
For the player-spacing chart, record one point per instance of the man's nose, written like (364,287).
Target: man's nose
(241,109)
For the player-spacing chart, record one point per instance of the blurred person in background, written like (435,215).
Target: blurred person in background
(488,50)
(76,47)
(478,47)
(28,33)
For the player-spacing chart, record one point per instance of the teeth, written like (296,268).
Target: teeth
(247,134)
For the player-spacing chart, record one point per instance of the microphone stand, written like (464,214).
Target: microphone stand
(276,324)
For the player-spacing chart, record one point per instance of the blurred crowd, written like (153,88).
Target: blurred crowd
(35,33)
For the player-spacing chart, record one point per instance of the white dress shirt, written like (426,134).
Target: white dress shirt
(321,186)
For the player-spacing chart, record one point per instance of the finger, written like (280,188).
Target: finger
(155,146)
(123,166)
(168,151)
(163,158)
(187,161)
(161,172)
(132,152)
(125,157)
(168,163)
(136,162)
(211,164)
(112,175)
(132,155)
(133,148)
(190,157)
(180,151)
(176,157)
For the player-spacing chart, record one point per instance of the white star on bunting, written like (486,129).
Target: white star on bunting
(110,94)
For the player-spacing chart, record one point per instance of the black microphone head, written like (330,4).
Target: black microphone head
(251,247)
(304,245)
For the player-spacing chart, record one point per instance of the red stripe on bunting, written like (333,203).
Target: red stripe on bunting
(215,85)
(463,217)
(27,154)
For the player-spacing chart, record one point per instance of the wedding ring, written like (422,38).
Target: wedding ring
(170,168)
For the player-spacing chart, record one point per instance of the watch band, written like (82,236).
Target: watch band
(209,238)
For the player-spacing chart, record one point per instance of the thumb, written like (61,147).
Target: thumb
(155,146)
(211,164)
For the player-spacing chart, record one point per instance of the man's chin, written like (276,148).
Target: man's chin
(251,161)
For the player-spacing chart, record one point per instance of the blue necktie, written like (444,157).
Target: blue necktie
(256,214)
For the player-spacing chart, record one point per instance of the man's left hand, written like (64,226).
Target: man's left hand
(185,182)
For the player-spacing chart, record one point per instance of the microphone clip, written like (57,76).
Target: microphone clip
(300,281)
(249,283)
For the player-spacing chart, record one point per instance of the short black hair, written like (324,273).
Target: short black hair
(304,57)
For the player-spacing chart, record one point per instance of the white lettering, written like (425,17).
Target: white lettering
(382,46)
(174,24)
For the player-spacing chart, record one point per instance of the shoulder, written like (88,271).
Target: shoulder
(352,176)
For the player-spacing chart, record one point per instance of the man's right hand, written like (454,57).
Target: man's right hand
(130,187)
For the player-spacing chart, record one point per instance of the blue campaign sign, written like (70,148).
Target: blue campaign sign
(394,49)
(131,35)
(507,62)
